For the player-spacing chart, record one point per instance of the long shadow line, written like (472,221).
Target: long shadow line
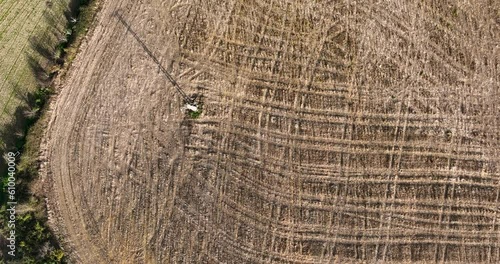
(148,51)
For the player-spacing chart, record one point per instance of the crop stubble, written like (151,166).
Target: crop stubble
(331,131)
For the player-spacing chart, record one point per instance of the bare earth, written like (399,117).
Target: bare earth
(330,132)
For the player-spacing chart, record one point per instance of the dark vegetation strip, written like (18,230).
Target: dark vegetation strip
(35,242)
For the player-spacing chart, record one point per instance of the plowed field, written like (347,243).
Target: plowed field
(331,131)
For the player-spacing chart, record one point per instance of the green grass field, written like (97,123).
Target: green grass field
(29,33)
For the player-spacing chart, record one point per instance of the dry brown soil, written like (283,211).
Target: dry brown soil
(332,131)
